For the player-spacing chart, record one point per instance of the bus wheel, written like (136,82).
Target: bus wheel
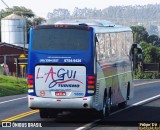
(102,113)
(108,107)
(43,113)
(54,113)
(109,102)
(122,105)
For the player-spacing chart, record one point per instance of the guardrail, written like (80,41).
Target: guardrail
(151,67)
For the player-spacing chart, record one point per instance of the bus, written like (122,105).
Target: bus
(79,65)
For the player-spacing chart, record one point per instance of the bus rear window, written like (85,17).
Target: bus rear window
(60,39)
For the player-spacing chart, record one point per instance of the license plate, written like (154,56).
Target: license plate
(60,93)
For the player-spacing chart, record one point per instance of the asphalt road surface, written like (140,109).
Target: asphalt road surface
(141,111)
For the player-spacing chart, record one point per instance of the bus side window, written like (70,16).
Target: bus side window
(121,45)
(97,48)
(100,45)
(104,47)
(107,46)
(113,44)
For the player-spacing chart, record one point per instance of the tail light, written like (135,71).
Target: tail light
(61,26)
(30,81)
(30,76)
(91,84)
(34,27)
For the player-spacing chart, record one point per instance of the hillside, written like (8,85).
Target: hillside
(147,15)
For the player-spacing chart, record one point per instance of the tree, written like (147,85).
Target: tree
(61,13)
(153,39)
(38,20)
(157,43)
(139,34)
(22,11)
(124,15)
(86,13)
(153,29)
(151,54)
(34,21)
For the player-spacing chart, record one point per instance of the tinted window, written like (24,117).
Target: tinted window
(60,39)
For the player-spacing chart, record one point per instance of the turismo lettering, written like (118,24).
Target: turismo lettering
(69,85)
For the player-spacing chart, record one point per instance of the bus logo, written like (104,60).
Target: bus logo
(62,78)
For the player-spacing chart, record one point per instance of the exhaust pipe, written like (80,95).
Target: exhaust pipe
(85,105)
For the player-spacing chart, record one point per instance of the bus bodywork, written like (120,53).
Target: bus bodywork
(79,66)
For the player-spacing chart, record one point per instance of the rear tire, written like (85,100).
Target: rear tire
(108,108)
(43,113)
(53,114)
(102,113)
(109,102)
(122,105)
(128,91)
(48,113)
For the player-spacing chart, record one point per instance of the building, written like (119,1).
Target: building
(8,53)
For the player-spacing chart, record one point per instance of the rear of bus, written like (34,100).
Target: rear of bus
(61,72)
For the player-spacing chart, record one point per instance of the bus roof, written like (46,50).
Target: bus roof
(99,26)
(87,22)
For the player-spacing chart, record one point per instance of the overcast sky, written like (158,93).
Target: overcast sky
(42,7)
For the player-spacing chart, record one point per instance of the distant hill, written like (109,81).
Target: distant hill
(135,13)
(146,15)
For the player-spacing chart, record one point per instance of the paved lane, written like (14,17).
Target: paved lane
(10,107)
(76,120)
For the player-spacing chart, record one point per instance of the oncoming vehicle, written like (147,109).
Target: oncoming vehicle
(78,64)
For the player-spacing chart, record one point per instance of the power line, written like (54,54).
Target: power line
(5,4)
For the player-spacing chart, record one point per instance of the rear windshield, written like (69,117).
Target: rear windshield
(60,39)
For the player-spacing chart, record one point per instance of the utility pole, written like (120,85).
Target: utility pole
(24,35)
(24,39)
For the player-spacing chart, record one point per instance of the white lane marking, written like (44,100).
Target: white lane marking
(87,125)
(12,100)
(138,103)
(135,104)
(146,100)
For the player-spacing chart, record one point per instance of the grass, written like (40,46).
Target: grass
(11,86)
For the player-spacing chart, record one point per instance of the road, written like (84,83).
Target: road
(142,108)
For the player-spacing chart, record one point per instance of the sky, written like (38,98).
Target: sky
(42,7)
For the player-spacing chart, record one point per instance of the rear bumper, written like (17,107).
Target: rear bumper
(75,103)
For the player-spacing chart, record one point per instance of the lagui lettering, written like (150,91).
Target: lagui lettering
(61,77)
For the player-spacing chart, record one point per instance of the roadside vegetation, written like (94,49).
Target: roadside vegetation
(151,50)
(11,86)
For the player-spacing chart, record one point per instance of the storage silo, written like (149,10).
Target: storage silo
(13,30)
